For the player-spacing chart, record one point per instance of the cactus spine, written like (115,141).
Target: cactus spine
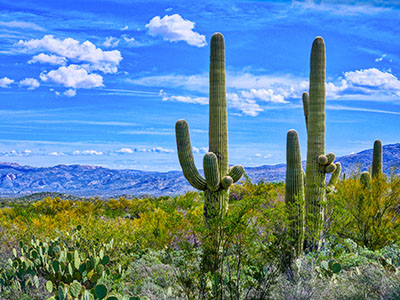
(318,164)
(218,176)
(294,194)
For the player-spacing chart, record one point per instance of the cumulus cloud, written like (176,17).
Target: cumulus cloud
(87,152)
(373,78)
(125,151)
(31,83)
(70,93)
(5,82)
(50,59)
(268,95)
(248,107)
(174,28)
(98,59)
(56,153)
(161,150)
(73,76)
(111,42)
(16,153)
(125,28)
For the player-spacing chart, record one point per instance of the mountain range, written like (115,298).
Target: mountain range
(90,181)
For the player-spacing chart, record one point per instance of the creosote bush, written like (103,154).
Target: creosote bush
(369,215)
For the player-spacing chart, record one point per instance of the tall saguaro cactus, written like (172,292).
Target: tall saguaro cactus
(218,176)
(294,193)
(318,164)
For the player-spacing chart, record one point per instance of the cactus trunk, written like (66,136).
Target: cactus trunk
(377,159)
(294,195)
(315,193)
(217,176)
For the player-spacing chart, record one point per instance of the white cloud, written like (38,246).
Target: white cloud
(87,152)
(174,28)
(23,25)
(70,93)
(128,39)
(186,99)
(31,83)
(190,82)
(373,78)
(258,155)
(56,154)
(105,61)
(111,42)
(248,107)
(125,151)
(380,58)
(73,76)
(5,82)
(124,28)
(161,150)
(50,59)
(267,95)
(16,153)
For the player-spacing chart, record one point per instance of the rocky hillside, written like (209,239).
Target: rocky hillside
(89,181)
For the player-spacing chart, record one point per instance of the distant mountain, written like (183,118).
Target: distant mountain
(89,181)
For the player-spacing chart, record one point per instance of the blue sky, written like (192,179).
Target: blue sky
(103,82)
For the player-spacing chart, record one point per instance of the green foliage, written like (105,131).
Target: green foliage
(369,215)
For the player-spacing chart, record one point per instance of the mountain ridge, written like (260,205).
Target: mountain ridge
(89,181)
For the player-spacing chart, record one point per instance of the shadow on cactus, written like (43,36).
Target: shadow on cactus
(70,274)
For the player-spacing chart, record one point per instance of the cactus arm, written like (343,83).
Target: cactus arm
(330,168)
(236,173)
(226,182)
(305,107)
(218,130)
(334,178)
(185,156)
(211,172)
(330,157)
(377,159)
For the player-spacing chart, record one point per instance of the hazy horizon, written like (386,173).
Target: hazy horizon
(103,82)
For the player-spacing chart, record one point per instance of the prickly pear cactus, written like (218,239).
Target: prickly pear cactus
(218,176)
(70,274)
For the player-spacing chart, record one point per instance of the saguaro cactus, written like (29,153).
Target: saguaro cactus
(294,194)
(218,176)
(377,159)
(376,165)
(318,164)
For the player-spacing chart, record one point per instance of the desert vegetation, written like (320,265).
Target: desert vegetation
(303,239)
